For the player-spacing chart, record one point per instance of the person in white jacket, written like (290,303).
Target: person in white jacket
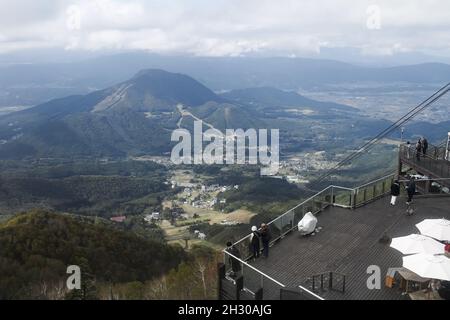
(255,242)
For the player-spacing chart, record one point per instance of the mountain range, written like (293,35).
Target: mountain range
(30,84)
(137,116)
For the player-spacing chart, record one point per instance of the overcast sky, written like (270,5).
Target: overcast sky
(228,27)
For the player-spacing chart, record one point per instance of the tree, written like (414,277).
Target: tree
(134,291)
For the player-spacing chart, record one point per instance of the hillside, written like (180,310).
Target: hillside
(36,248)
(269,97)
(83,187)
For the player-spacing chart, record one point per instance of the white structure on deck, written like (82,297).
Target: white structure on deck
(308,224)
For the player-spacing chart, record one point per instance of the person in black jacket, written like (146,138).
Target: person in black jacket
(411,190)
(424,146)
(254,242)
(418,149)
(265,239)
(395,192)
(235,264)
(444,290)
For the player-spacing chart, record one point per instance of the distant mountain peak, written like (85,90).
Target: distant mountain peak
(172,87)
(153,73)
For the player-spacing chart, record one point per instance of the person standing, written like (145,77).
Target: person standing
(408,150)
(418,149)
(235,264)
(395,192)
(411,190)
(265,239)
(254,242)
(424,146)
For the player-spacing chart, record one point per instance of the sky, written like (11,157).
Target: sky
(291,28)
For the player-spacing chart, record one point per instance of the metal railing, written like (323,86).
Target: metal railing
(331,278)
(432,164)
(331,196)
(279,227)
(372,191)
(253,279)
(337,196)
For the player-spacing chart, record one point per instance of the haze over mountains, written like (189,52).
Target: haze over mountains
(31,84)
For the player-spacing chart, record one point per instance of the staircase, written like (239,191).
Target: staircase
(433,164)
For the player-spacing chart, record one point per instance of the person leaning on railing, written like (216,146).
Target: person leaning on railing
(424,146)
(265,239)
(418,149)
(235,264)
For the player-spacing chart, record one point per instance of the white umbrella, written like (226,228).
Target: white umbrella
(428,265)
(435,228)
(417,243)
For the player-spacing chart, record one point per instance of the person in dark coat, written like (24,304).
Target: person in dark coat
(424,146)
(444,290)
(411,190)
(235,264)
(265,239)
(395,192)
(255,242)
(418,149)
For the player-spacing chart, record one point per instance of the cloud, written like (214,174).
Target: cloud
(227,27)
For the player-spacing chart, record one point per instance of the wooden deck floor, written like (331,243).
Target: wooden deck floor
(349,243)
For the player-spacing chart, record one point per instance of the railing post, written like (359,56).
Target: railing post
(330,280)
(343,284)
(292,220)
(354,192)
(239,287)
(259,294)
(321,281)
